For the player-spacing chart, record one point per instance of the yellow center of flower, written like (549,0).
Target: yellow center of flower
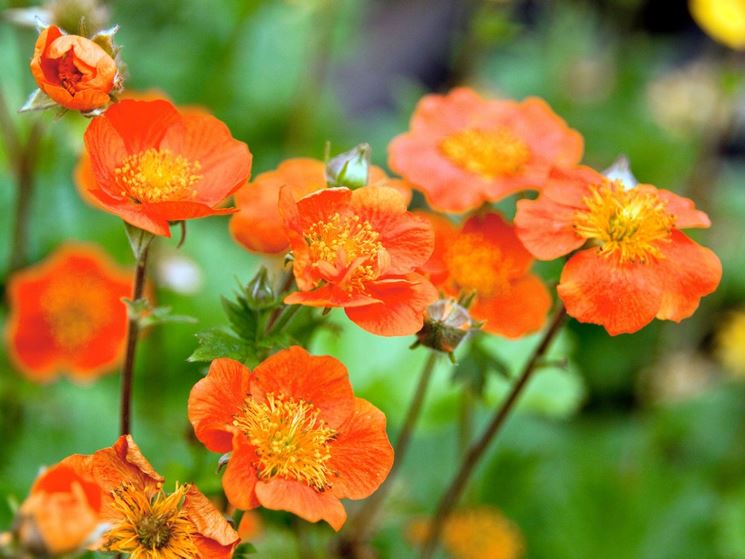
(290,438)
(488,153)
(349,243)
(75,309)
(481,534)
(158,175)
(150,528)
(475,265)
(631,223)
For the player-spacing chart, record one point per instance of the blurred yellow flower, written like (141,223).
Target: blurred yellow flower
(731,343)
(478,533)
(723,20)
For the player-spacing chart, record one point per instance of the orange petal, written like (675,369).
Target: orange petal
(501,235)
(320,380)
(215,400)
(545,228)
(123,462)
(621,297)
(299,499)
(519,311)
(240,478)
(208,521)
(329,296)
(361,454)
(684,210)
(402,306)
(141,124)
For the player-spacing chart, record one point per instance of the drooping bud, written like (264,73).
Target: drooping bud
(350,169)
(446,324)
(259,291)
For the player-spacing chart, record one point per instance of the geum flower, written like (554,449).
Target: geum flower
(155,165)
(636,264)
(463,150)
(359,250)
(66,314)
(485,261)
(73,71)
(299,439)
(258,225)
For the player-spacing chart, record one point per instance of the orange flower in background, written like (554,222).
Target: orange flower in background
(359,250)
(62,513)
(638,266)
(258,225)
(74,71)
(299,439)
(485,258)
(154,165)
(67,315)
(462,150)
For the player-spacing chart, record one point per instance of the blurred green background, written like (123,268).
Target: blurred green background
(635,449)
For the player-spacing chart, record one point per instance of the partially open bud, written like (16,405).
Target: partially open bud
(446,324)
(350,169)
(259,292)
(72,71)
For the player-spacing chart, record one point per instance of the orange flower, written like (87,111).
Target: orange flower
(463,150)
(299,439)
(74,71)
(358,250)
(154,165)
(485,258)
(638,265)
(67,314)
(147,523)
(258,225)
(62,512)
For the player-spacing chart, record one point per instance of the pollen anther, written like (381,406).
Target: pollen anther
(158,175)
(488,153)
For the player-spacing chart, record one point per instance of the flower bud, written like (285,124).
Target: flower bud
(446,324)
(259,292)
(350,169)
(71,14)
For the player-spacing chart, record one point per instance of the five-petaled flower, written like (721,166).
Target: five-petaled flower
(299,438)
(258,226)
(638,265)
(67,315)
(154,165)
(359,250)
(73,71)
(485,260)
(463,150)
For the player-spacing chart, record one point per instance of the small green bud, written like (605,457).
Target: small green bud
(350,169)
(446,324)
(259,291)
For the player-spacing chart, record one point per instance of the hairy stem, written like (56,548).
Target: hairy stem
(478,449)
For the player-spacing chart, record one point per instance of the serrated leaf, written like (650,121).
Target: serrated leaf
(216,343)
(243,320)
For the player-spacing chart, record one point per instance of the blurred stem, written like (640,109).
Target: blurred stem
(478,449)
(465,421)
(362,524)
(23,157)
(283,312)
(133,331)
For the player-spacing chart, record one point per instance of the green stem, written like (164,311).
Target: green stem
(478,449)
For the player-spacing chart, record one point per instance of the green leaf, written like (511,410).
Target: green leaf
(216,343)
(243,320)
(245,549)
(474,369)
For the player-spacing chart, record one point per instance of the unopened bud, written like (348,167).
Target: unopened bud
(69,14)
(350,169)
(259,292)
(446,324)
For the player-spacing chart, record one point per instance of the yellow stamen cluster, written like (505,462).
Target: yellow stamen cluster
(290,438)
(349,242)
(75,309)
(488,153)
(151,527)
(158,175)
(630,223)
(475,265)
(480,534)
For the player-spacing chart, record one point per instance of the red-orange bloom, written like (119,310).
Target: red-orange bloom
(462,150)
(74,71)
(67,315)
(485,258)
(258,225)
(359,250)
(638,265)
(154,165)
(63,510)
(299,439)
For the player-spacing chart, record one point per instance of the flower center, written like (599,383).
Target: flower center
(476,265)
(631,223)
(158,175)
(75,309)
(69,74)
(346,245)
(290,438)
(152,528)
(490,154)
